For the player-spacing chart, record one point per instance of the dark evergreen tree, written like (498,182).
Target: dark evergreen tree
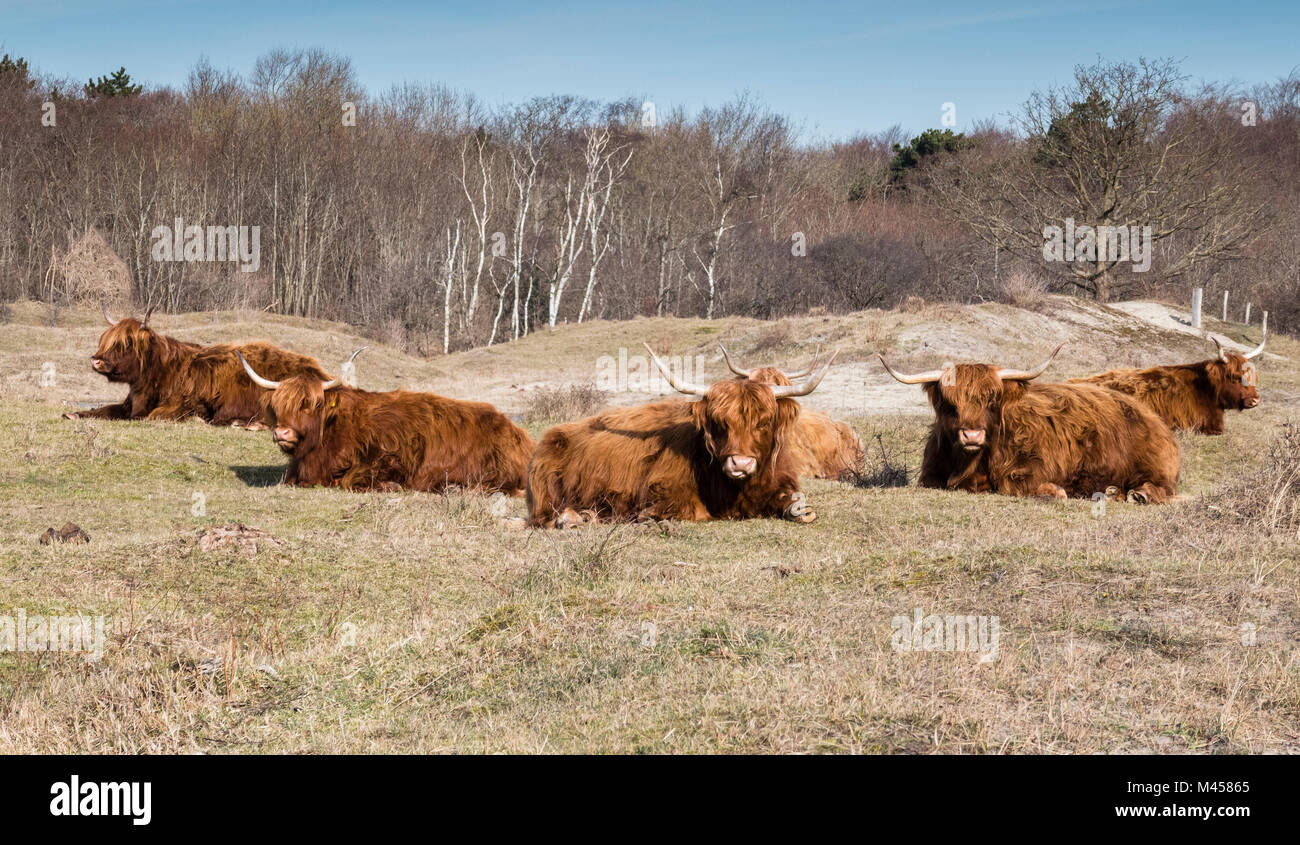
(15,72)
(908,156)
(117,85)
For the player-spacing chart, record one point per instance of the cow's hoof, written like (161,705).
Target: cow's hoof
(1138,497)
(72,416)
(1052,491)
(1114,494)
(803,518)
(568,519)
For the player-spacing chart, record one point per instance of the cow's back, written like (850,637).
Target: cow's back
(423,441)
(1174,393)
(1085,437)
(825,448)
(212,383)
(616,464)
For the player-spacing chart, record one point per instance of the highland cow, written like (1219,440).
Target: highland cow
(821,447)
(725,455)
(996,430)
(170,379)
(1191,397)
(338,436)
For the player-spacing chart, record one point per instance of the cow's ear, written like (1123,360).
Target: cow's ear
(1217,373)
(699,414)
(787,412)
(1013,390)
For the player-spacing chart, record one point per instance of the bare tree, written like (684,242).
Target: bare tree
(1122,147)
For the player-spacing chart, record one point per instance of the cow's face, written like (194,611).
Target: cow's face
(743,424)
(968,400)
(123,350)
(1236,381)
(299,407)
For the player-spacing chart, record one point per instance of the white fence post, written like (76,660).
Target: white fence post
(1248,313)
(1225,306)
(1197,294)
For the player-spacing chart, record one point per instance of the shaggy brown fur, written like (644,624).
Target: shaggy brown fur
(358,440)
(1188,396)
(820,446)
(170,379)
(1054,440)
(665,460)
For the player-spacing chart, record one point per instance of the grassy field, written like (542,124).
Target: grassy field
(421,623)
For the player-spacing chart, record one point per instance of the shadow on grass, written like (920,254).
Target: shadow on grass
(263,476)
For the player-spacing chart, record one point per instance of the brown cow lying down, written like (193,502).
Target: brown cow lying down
(1191,396)
(170,379)
(338,436)
(995,430)
(723,456)
(821,447)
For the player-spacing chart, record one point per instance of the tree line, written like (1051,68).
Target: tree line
(439,223)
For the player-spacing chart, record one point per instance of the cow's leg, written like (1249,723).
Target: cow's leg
(171,412)
(792,504)
(1148,493)
(936,468)
(1048,490)
(234,419)
(1212,424)
(568,518)
(1024,484)
(539,498)
(119,411)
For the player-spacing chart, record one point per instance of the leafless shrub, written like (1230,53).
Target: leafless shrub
(883,470)
(1024,289)
(1267,502)
(563,403)
(912,305)
(773,337)
(88,271)
(394,334)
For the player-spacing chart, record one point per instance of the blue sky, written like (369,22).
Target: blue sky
(834,68)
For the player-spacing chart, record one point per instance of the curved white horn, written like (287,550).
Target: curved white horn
(147,315)
(1263,340)
(258,380)
(812,365)
(1223,353)
(335,382)
(809,384)
(1026,375)
(727,357)
(678,385)
(926,377)
(103,306)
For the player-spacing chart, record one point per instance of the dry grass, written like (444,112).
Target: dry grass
(419,623)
